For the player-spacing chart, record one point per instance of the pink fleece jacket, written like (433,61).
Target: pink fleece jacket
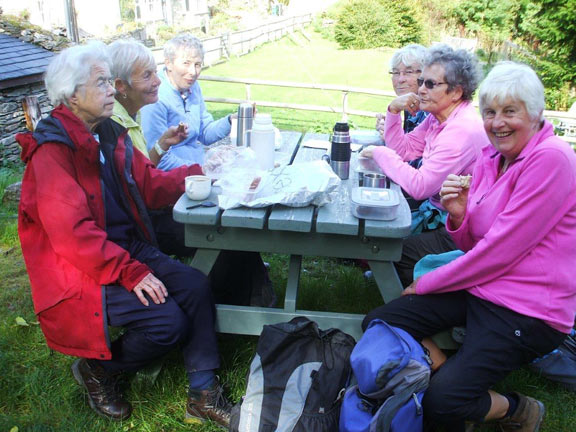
(519,234)
(446,148)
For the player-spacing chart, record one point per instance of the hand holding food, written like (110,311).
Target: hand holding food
(182,128)
(454,197)
(173,135)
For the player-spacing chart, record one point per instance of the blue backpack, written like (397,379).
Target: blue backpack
(392,370)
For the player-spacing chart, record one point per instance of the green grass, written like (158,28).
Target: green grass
(37,391)
(316,62)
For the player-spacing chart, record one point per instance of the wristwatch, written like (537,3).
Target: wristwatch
(159,149)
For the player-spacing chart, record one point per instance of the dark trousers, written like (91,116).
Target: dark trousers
(187,318)
(417,247)
(237,278)
(497,342)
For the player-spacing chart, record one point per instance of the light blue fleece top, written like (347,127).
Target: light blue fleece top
(170,110)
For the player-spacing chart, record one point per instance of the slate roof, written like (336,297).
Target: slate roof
(20,59)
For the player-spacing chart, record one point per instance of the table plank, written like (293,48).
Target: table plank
(245,217)
(294,243)
(298,219)
(199,215)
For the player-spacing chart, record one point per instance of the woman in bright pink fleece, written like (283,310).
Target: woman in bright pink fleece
(514,290)
(449,140)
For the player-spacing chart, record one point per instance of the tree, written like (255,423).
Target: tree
(376,23)
(490,21)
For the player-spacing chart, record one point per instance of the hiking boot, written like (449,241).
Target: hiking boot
(104,396)
(208,404)
(526,418)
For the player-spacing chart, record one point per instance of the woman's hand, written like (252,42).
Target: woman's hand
(454,199)
(173,135)
(153,287)
(409,102)
(380,125)
(368,152)
(411,289)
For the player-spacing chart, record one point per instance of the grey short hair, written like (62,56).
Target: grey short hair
(460,68)
(125,55)
(515,81)
(185,42)
(71,68)
(410,55)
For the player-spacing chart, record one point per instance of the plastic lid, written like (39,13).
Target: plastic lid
(263,119)
(375,197)
(341,127)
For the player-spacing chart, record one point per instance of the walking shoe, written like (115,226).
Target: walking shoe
(104,396)
(208,404)
(526,418)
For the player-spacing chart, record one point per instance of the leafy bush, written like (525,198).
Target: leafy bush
(377,23)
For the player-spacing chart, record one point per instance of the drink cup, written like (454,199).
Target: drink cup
(374,180)
(198,187)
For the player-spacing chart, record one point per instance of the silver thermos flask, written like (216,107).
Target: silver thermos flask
(245,118)
(340,151)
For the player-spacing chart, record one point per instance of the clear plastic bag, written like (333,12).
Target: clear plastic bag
(226,159)
(294,185)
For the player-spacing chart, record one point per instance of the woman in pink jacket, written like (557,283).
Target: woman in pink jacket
(449,140)
(514,289)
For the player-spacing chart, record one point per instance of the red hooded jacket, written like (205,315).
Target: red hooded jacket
(61,224)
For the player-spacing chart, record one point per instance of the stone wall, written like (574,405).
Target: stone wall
(12,120)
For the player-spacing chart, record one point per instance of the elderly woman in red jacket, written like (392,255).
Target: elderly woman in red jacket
(90,249)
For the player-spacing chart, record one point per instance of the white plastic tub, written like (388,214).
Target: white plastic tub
(375,203)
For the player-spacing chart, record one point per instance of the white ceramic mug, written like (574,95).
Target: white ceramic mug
(198,187)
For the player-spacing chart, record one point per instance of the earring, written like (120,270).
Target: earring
(124,95)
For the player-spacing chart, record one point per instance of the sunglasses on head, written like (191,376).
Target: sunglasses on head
(429,84)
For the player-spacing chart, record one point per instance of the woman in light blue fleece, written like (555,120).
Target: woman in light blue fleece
(180,101)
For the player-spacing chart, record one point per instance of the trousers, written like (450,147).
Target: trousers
(498,341)
(186,319)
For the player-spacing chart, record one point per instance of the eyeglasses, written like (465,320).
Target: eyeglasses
(101,84)
(429,84)
(407,73)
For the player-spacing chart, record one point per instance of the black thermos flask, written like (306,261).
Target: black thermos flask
(340,152)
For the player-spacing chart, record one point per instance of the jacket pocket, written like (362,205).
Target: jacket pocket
(50,286)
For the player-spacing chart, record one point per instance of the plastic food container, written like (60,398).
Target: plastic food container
(375,203)
(365,137)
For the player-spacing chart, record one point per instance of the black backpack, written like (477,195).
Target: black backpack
(296,381)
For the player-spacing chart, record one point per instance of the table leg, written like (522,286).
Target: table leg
(292,283)
(386,279)
(204,259)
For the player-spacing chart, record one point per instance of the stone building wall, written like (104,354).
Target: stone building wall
(12,119)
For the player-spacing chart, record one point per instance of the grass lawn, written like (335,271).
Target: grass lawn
(316,62)
(37,391)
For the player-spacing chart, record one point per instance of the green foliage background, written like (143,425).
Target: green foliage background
(376,23)
(541,33)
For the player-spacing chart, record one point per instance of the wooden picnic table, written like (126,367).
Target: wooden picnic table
(328,231)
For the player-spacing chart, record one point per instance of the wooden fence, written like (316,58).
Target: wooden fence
(563,119)
(238,43)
